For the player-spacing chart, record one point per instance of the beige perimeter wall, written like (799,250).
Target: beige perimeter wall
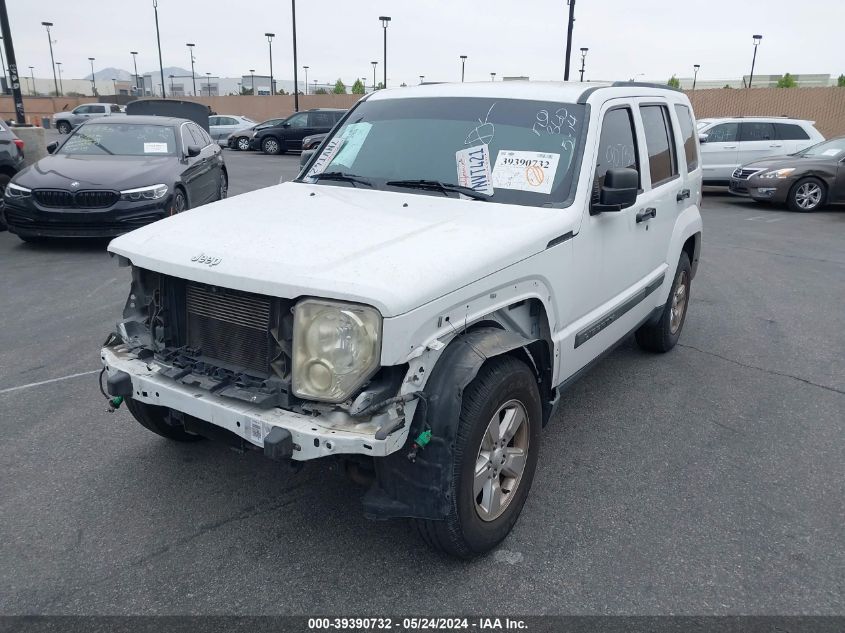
(825,106)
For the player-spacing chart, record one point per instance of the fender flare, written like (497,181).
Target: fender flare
(423,489)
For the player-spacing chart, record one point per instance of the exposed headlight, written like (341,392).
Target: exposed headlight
(153,192)
(336,348)
(778,173)
(16,191)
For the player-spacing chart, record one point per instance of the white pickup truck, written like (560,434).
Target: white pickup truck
(415,302)
(64,122)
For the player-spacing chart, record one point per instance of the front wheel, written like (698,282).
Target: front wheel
(663,335)
(223,186)
(242,143)
(806,195)
(63,127)
(271,145)
(180,202)
(495,456)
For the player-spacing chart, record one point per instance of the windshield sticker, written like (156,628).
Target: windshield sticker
(525,171)
(155,148)
(326,156)
(474,169)
(482,133)
(353,136)
(831,152)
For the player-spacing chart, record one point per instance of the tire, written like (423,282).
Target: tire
(242,144)
(63,127)
(663,335)
(4,180)
(474,526)
(180,202)
(272,145)
(808,194)
(223,186)
(154,418)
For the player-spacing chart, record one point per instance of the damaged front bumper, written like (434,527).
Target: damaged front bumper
(325,432)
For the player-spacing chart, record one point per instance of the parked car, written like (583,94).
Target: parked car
(452,259)
(113,175)
(240,139)
(804,181)
(728,143)
(288,134)
(222,125)
(11,160)
(310,143)
(64,122)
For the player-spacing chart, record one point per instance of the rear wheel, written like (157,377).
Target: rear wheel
(495,456)
(808,194)
(157,420)
(223,186)
(4,180)
(242,143)
(663,335)
(271,145)
(63,127)
(180,202)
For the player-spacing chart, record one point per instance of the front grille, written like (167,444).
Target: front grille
(745,173)
(230,327)
(89,199)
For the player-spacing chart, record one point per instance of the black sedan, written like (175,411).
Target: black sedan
(111,176)
(805,181)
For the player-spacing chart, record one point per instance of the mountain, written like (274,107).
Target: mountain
(176,71)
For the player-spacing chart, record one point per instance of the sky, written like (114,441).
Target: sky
(649,39)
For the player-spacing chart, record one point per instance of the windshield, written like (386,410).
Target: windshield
(826,148)
(121,139)
(510,151)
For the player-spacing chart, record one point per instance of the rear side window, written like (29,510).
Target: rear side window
(115,108)
(660,143)
(723,133)
(99,109)
(617,146)
(688,136)
(790,132)
(321,119)
(756,131)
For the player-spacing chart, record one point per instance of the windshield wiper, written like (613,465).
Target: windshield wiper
(339,175)
(95,143)
(439,186)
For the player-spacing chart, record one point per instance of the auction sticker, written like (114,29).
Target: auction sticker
(526,171)
(326,156)
(474,168)
(353,136)
(155,148)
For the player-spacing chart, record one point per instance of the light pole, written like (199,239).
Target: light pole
(695,68)
(583,61)
(3,62)
(306,78)
(208,82)
(757,39)
(172,93)
(270,37)
(463,66)
(252,81)
(32,76)
(422,78)
(93,81)
(385,20)
(158,40)
(114,85)
(47,25)
(135,64)
(374,75)
(571,4)
(193,75)
(315,87)
(295,78)
(61,88)
(492,76)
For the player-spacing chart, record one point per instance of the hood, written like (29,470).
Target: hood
(97,172)
(782,162)
(392,250)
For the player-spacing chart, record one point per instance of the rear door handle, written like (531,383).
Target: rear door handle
(650,212)
(729,147)
(683,194)
(775,145)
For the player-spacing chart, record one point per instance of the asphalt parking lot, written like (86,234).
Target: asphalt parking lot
(706,481)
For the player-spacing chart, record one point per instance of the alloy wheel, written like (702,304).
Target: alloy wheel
(243,143)
(271,146)
(808,196)
(679,303)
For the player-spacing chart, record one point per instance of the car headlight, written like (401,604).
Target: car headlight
(16,191)
(336,348)
(153,192)
(778,173)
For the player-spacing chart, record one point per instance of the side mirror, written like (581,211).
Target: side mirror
(194,150)
(52,147)
(305,156)
(619,191)
(285,124)
(702,138)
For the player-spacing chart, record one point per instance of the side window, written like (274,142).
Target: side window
(723,133)
(227,120)
(790,132)
(756,131)
(98,109)
(205,136)
(196,133)
(338,116)
(83,109)
(660,143)
(187,138)
(298,120)
(214,120)
(321,119)
(617,146)
(115,108)
(688,134)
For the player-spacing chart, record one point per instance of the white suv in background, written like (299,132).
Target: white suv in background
(731,142)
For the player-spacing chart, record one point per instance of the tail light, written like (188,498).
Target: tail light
(19,143)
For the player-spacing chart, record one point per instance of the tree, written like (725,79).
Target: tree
(358,88)
(728,86)
(339,88)
(246,91)
(840,82)
(787,81)
(674,82)
(321,91)
(380,85)
(403,85)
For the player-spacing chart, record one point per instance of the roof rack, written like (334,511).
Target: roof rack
(643,84)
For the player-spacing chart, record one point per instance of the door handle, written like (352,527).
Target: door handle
(776,145)
(683,194)
(650,212)
(729,147)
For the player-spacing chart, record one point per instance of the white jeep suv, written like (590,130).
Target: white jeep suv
(417,299)
(729,143)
